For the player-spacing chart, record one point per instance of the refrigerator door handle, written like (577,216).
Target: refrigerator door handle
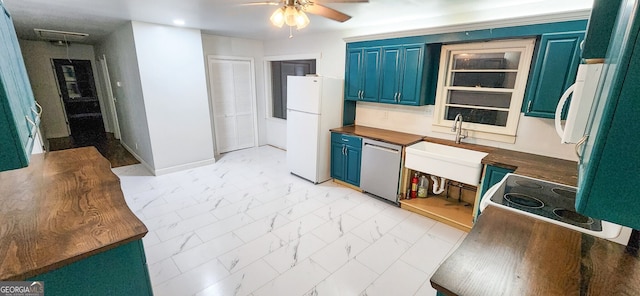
(561,103)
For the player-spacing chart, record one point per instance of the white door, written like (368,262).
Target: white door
(233,98)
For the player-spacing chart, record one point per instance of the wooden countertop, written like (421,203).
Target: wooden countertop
(65,206)
(393,137)
(511,254)
(526,164)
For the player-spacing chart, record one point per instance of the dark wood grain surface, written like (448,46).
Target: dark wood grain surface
(65,206)
(510,254)
(393,137)
(526,164)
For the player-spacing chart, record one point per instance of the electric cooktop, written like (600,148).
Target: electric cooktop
(547,201)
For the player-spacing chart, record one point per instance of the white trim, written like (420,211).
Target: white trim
(254,99)
(267,77)
(497,133)
(501,23)
(182,167)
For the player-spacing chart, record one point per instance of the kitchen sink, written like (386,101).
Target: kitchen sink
(458,164)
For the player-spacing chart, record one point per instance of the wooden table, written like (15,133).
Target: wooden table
(511,254)
(62,209)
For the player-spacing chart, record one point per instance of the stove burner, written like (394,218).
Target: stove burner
(572,216)
(564,192)
(529,184)
(524,200)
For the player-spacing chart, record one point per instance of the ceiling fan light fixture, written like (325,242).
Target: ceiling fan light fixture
(278,17)
(302,20)
(290,16)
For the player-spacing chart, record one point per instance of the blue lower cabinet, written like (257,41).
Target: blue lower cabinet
(346,156)
(492,175)
(119,271)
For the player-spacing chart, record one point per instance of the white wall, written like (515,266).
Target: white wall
(174,88)
(37,57)
(245,48)
(535,135)
(119,48)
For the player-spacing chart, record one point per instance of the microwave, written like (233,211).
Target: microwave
(582,94)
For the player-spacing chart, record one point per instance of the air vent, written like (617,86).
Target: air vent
(53,35)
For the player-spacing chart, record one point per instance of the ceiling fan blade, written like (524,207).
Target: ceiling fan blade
(273,3)
(327,12)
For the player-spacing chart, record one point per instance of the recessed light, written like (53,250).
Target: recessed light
(178,22)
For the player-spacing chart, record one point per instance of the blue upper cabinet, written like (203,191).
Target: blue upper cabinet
(402,73)
(390,72)
(18,113)
(362,74)
(555,68)
(603,17)
(608,178)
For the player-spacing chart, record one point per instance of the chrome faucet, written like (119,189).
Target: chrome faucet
(458,128)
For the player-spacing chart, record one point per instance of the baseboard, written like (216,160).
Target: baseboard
(136,156)
(183,167)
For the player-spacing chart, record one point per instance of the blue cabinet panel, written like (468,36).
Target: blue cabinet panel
(492,175)
(353,74)
(412,71)
(119,271)
(390,78)
(554,71)
(346,156)
(371,75)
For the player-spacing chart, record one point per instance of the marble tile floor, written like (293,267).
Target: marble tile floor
(246,226)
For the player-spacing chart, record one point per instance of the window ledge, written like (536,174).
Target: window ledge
(475,134)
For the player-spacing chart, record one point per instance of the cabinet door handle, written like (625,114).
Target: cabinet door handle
(529,106)
(579,144)
(344,150)
(39,109)
(399,94)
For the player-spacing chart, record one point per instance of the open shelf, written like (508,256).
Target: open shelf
(448,211)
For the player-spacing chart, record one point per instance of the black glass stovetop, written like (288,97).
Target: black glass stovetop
(545,199)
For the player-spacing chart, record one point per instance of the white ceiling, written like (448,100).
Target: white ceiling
(230,18)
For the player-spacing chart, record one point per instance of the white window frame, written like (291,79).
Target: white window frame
(475,130)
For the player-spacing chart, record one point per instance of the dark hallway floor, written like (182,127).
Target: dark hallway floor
(108,146)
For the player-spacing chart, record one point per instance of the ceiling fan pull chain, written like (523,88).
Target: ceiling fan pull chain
(290,32)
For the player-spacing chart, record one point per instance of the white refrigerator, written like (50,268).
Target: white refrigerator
(314,105)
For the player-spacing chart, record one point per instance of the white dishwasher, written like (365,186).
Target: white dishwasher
(380,169)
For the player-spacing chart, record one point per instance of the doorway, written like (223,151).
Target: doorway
(80,101)
(231,81)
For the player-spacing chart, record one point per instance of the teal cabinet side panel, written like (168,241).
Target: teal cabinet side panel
(371,72)
(348,112)
(389,79)
(599,28)
(353,74)
(354,158)
(430,72)
(412,70)
(493,175)
(119,271)
(554,71)
(337,161)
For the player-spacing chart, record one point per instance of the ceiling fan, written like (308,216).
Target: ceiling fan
(293,14)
